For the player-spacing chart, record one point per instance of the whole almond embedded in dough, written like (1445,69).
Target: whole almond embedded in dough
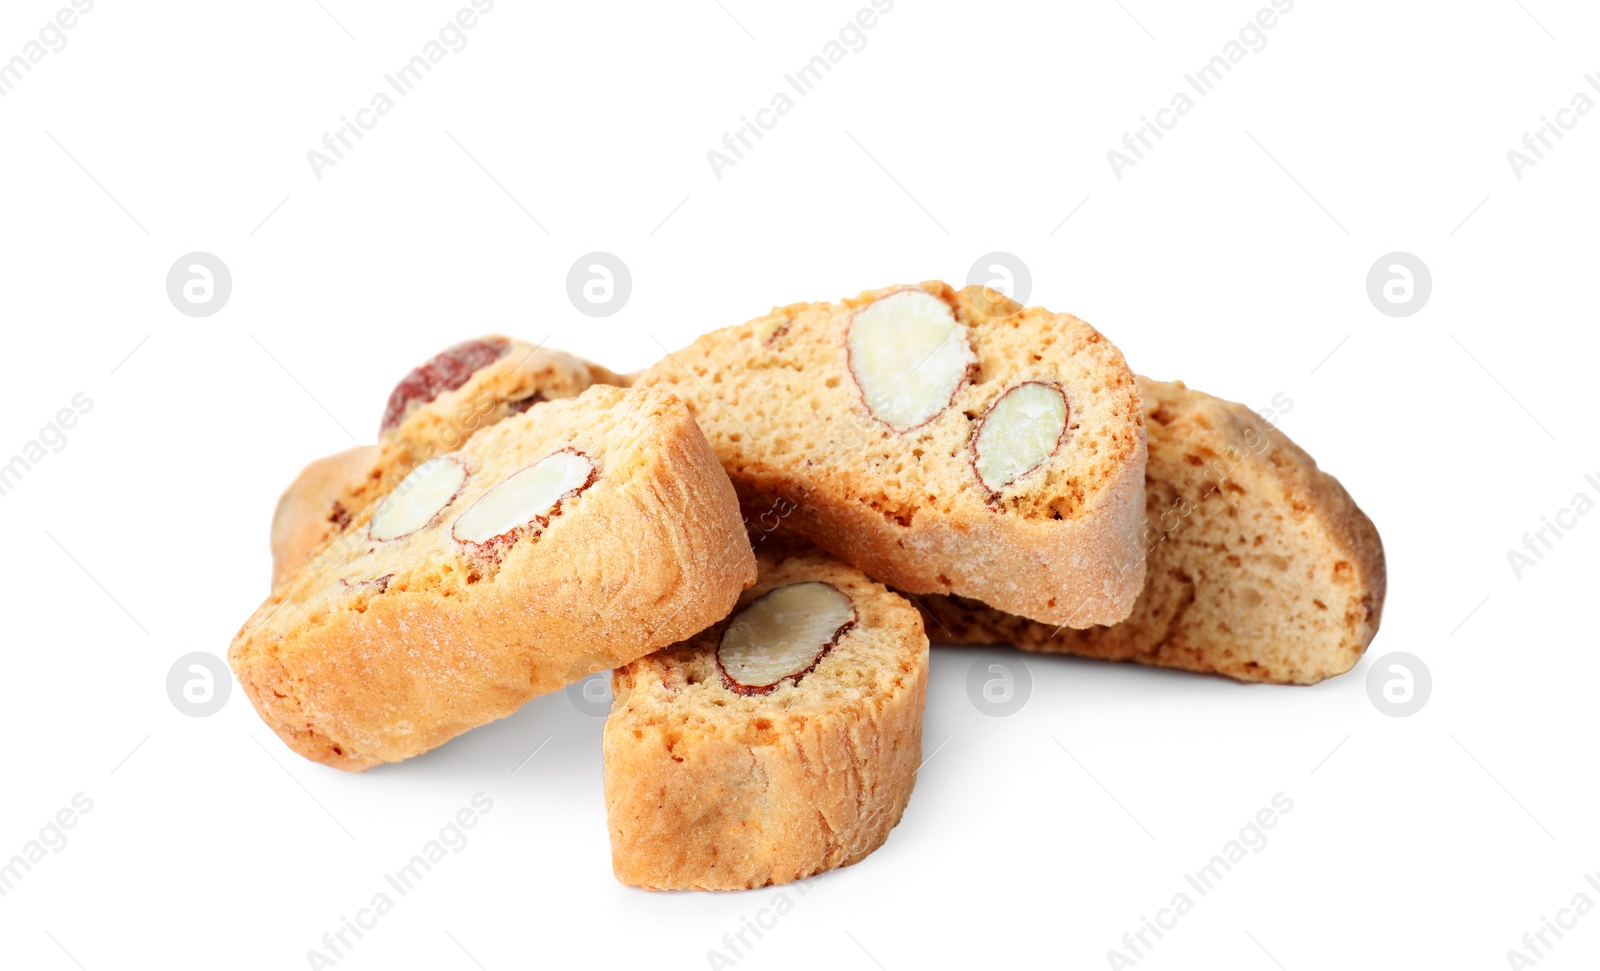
(334,492)
(526,498)
(909,354)
(1059,545)
(783,634)
(654,550)
(1261,567)
(419,497)
(709,788)
(1021,431)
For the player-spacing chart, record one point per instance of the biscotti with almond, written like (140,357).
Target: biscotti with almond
(940,441)
(782,742)
(1260,565)
(432,410)
(570,539)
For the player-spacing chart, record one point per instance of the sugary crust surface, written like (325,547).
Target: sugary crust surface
(333,490)
(1260,565)
(374,652)
(778,402)
(707,789)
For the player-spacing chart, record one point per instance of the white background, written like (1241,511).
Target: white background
(1234,257)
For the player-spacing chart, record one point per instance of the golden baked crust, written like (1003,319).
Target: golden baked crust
(374,652)
(708,789)
(425,418)
(781,407)
(313,507)
(1260,566)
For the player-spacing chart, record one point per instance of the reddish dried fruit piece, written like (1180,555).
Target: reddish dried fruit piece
(783,634)
(524,502)
(446,371)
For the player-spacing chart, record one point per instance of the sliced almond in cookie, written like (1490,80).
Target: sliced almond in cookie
(1020,432)
(526,499)
(1230,504)
(860,420)
(783,635)
(419,497)
(430,636)
(714,785)
(435,410)
(909,355)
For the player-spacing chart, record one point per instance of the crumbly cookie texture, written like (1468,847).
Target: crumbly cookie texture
(433,410)
(568,540)
(710,787)
(1260,565)
(941,441)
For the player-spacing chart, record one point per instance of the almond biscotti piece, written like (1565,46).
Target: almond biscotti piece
(943,442)
(433,410)
(782,742)
(568,540)
(1260,565)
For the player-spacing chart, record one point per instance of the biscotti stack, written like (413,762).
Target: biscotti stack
(528,518)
